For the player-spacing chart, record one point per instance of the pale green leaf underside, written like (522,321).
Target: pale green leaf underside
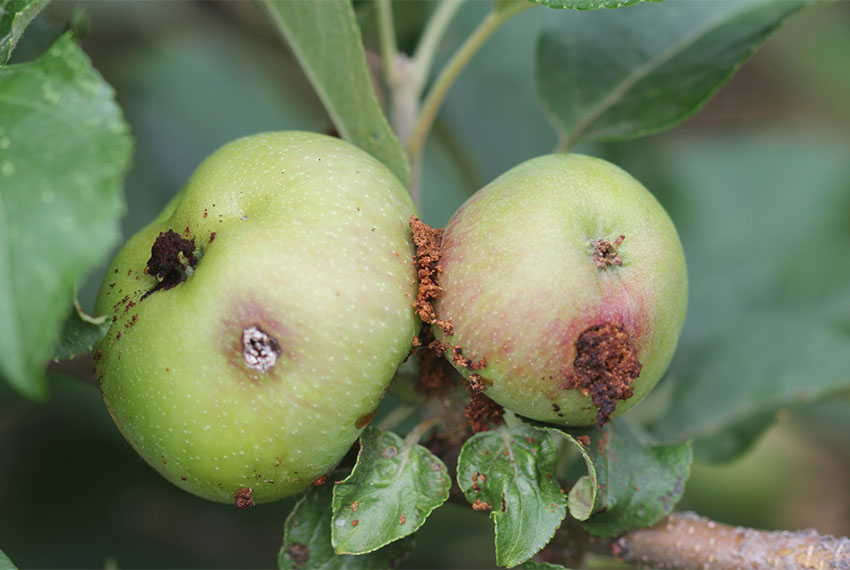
(768,322)
(616,74)
(581,498)
(15,15)
(393,488)
(730,388)
(64,149)
(325,37)
(79,332)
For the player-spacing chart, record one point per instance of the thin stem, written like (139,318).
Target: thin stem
(396,417)
(416,433)
(564,145)
(511,421)
(386,34)
(435,98)
(404,97)
(405,77)
(436,27)
(399,78)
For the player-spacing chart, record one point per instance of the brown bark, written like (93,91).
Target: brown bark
(685,540)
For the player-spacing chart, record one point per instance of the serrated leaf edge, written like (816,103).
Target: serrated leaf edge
(408,446)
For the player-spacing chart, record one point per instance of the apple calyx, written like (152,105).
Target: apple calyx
(605,252)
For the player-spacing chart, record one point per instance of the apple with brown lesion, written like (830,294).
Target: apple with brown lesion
(258,320)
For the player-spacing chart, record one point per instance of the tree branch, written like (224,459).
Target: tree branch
(686,540)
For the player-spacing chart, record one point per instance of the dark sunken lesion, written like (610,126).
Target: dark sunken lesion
(260,350)
(242,499)
(605,366)
(173,259)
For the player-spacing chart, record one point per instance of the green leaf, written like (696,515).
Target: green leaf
(639,482)
(616,74)
(325,38)
(498,81)
(15,16)
(79,333)
(393,488)
(307,538)
(763,276)
(65,150)
(755,242)
(581,498)
(589,4)
(534,565)
(511,473)
(5,563)
(739,378)
(734,439)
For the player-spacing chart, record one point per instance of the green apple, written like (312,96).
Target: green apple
(259,319)
(565,287)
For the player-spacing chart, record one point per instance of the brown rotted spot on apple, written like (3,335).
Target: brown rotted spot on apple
(364,420)
(427,261)
(172,261)
(605,253)
(242,498)
(260,350)
(606,363)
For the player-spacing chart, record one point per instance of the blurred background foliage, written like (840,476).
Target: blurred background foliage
(758,184)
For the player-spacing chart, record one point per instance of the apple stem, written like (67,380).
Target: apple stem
(434,31)
(511,421)
(446,78)
(396,417)
(399,75)
(386,35)
(416,433)
(405,77)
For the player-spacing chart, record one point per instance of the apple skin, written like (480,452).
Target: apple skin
(520,282)
(307,238)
